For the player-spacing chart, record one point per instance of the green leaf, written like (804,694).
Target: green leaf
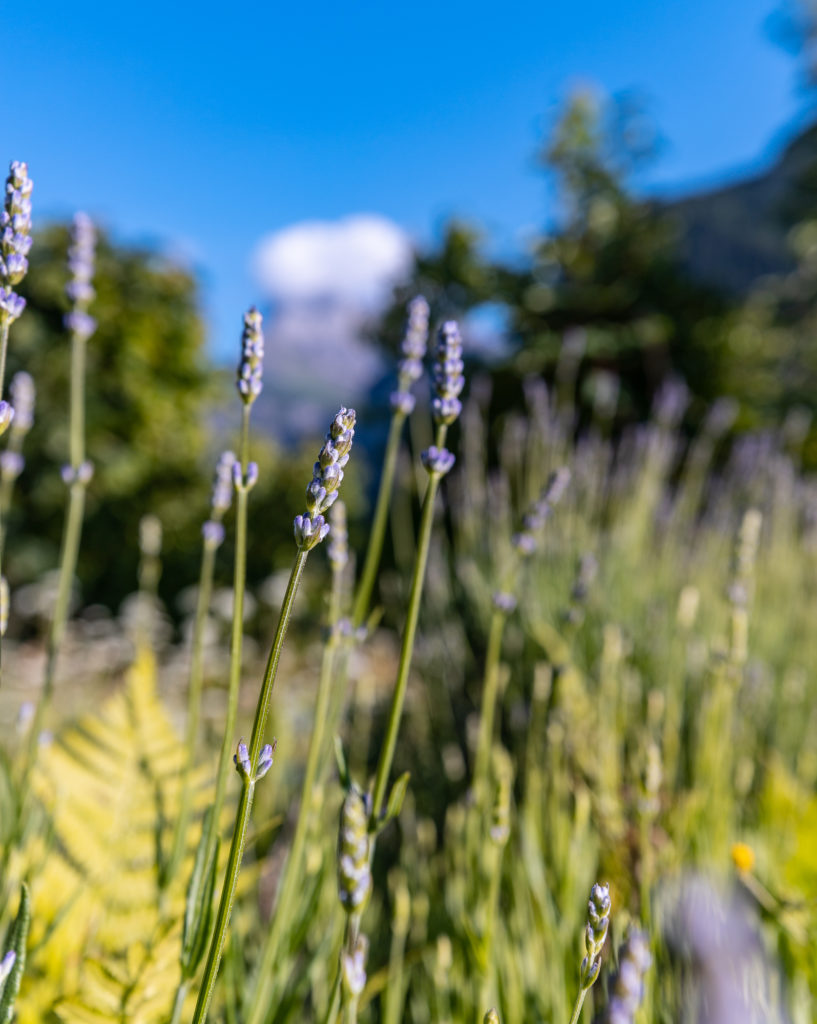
(16,942)
(396,798)
(198,911)
(340,757)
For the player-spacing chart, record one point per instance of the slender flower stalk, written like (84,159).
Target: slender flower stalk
(212,538)
(410,369)
(290,884)
(77,473)
(498,836)
(448,382)
(525,543)
(446,407)
(12,461)
(598,921)
(310,529)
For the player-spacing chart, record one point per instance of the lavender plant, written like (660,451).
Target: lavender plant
(78,471)
(410,369)
(598,921)
(253,761)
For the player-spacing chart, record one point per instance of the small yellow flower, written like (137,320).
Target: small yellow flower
(743,857)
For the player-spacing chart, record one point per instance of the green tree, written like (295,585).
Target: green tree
(149,404)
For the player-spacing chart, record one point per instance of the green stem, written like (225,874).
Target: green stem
(577,1009)
(70,541)
(291,880)
(381,514)
(486,994)
(178,1002)
(245,804)
(225,905)
(236,638)
(396,711)
(208,559)
(490,690)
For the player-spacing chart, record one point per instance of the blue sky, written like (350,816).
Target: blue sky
(204,128)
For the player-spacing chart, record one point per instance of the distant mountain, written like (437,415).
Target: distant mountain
(732,236)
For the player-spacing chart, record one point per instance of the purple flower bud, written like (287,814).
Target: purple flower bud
(222,485)
(11,464)
(402,402)
(438,461)
(241,759)
(6,416)
(11,305)
(213,533)
(264,761)
(80,323)
(525,543)
(7,965)
(310,531)
(252,475)
(504,602)
(85,472)
(22,398)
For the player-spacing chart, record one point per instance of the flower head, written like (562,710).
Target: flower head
(15,225)
(448,374)
(79,289)
(251,366)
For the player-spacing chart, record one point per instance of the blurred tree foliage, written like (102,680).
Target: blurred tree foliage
(149,392)
(158,413)
(608,265)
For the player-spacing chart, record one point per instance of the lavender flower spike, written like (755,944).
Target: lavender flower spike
(223,484)
(15,225)
(79,289)
(438,461)
(627,988)
(327,475)
(241,759)
(410,367)
(251,367)
(448,374)
(22,399)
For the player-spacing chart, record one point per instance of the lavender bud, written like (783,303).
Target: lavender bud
(241,759)
(309,532)
(438,461)
(354,873)
(338,547)
(85,472)
(22,398)
(7,965)
(6,416)
(504,602)
(525,543)
(11,305)
(251,367)
(416,337)
(4,605)
(213,533)
(402,402)
(11,465)
(222,484)
(353,969)
(25,716)
(265,759)
(80,323)
(252,475)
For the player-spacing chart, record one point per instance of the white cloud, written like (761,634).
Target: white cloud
(325,282)
(355,260)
